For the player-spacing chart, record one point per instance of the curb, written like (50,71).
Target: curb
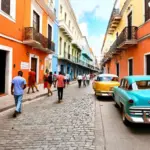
(29,99)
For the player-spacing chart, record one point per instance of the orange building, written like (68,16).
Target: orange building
(26,28)
(126,47)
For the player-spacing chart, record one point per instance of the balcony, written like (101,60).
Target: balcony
(38,41)
(77,45)
(65,29)
(49,9)
(114,21)
(87,56)
(127,38)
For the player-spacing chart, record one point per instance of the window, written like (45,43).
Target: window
(147,10)
(65,17)
(64,46)
(117,69)
(5,6)
(60,45)
(8,9)
(130,67)
(61,9)
(36,21)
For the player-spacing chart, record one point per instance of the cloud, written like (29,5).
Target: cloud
(102,8)
(84,28)
(96,42)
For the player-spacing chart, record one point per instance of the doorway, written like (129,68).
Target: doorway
(3,70)
(130,69)
(147,64)
(34,65)
(117,69)
(130,26)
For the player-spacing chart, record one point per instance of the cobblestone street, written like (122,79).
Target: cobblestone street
(45,124)
(80,122)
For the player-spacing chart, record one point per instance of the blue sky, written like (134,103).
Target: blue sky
(93,17)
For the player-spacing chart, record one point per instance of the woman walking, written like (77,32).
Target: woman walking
(46,83)
(50,81)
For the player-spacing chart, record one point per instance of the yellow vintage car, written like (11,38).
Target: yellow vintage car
(103,85)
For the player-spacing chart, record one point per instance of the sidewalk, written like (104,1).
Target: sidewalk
(7,102)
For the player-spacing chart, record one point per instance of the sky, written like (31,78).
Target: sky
(93,17)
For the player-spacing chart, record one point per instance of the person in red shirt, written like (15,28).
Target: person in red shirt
(32,81)
(60,86)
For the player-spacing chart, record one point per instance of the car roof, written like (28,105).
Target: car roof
(133,79)
(107,75)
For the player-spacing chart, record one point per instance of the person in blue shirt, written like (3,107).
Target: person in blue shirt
(17,89)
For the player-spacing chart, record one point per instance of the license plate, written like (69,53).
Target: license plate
(104,94)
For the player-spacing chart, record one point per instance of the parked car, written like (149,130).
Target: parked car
(133,97)
(103,85)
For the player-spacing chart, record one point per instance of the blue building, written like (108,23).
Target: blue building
(55,38)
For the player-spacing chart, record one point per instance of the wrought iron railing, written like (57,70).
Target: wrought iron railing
(128,33)
(32,34)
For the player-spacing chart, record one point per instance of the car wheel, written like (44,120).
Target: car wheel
(124,119)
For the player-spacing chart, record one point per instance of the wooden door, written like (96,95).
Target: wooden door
(34,64)
(36,21)
(130,26)
(49,36)
(130,67)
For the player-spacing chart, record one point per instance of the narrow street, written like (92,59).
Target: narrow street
(79,122)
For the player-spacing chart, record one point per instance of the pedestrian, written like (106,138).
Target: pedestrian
(60,86)
(54,79)
(32,81)
(50,82)
(17,89)
(84,80)
(79,78)
(88,79)
(67,79)
(46,83)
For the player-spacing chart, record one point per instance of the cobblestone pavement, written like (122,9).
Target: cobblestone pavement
(45,124)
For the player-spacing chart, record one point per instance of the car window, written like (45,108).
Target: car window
(143,84)
(122,83)
(106,78)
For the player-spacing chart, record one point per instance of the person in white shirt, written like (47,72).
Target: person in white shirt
(79,78)
(88,79)
(67,78)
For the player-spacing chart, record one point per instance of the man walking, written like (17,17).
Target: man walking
(60,86)
(88,79)
(17,89)
(54,79)
(79,77)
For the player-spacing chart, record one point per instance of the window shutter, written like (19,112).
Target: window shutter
(5,6)
(13,9)
(147,10)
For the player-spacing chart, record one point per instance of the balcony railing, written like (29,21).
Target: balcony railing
(37,40)
(114,21)
(128,37)
(65,28)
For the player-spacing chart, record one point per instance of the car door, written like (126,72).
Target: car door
(123,93)
(117,92)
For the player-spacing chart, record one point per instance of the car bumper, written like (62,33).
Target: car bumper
(105,93)
(142,119)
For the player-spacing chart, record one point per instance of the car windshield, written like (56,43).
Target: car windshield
(140,85)
(107,79)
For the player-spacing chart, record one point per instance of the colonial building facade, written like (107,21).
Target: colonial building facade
(26,39)
(126,45)
(74,51)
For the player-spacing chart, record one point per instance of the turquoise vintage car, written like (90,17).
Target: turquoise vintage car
(133,97)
